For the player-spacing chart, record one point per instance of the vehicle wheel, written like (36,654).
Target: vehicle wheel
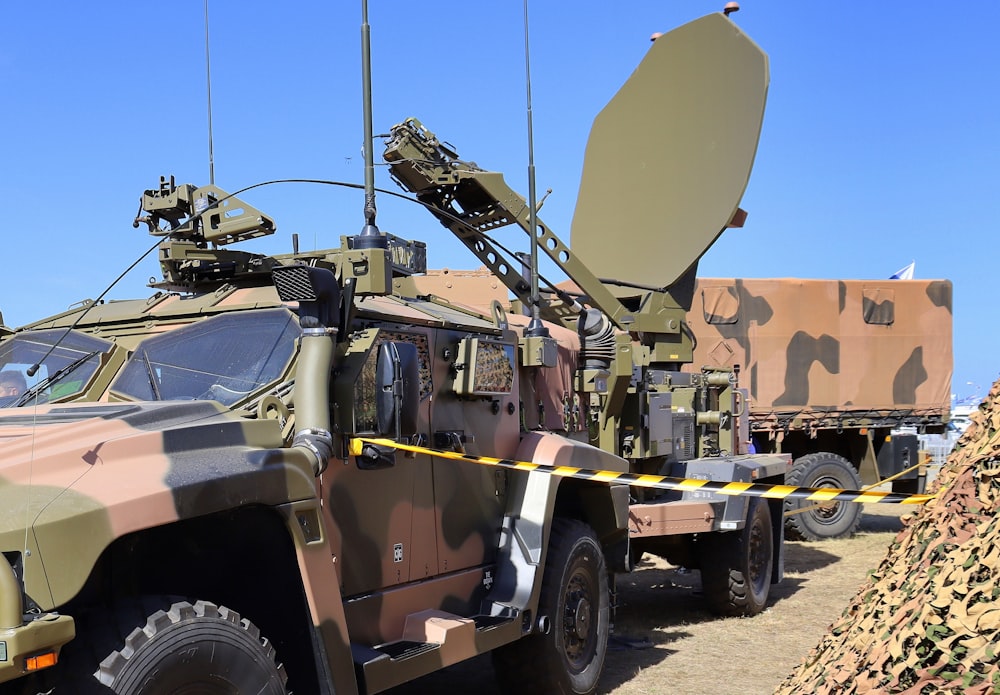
(183,648)
(736,565)
(574,596)
(827,519)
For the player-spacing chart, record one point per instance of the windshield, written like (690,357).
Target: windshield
(65,371)
(224,358)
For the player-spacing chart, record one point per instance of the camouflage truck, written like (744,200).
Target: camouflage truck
(300,472)
(838,372)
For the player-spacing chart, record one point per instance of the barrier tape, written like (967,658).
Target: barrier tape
(736,489)
(812,507)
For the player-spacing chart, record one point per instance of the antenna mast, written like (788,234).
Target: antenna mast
(370,236)
(208,75)
(535,326)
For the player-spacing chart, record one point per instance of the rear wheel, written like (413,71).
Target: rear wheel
(574,597)
(736,565)
(814,521)
(181,648)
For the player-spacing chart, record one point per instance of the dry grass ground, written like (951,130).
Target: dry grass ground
(666,642)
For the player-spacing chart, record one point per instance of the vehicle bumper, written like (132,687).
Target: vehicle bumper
(27,645)
(42,636)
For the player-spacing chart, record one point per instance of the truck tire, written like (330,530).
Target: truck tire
(568,659)
(829,520)
(736,565)
(183,647)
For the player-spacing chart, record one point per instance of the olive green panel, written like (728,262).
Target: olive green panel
(669,157)
(126,324)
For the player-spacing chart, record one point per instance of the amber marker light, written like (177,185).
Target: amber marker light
(40,661)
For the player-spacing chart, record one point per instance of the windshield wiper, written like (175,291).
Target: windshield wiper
(152,376)
(53,378)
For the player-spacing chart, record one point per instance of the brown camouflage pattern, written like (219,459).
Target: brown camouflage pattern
(96,472)
(811,353)
(829,353)
(344,562)
(126,468)
(927,620)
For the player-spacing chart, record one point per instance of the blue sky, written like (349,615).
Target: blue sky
(880,141)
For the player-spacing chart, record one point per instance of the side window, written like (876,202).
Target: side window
(483,367)
(67,361)
(224,358)
(494,368)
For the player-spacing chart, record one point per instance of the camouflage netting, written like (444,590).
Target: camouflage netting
(928,619)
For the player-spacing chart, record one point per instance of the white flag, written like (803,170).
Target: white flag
(904,273)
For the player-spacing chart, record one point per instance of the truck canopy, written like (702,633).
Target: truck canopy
(830,353)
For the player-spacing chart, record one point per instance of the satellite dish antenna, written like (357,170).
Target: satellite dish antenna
(669,157)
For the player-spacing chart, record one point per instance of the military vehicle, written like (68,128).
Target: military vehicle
(841,374)
(298,472)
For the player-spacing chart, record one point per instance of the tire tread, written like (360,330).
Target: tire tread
(524,667)
(795,527)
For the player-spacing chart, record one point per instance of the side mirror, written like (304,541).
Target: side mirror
(397,374)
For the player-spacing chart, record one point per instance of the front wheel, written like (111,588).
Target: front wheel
(183,648)
(574,597)
(736,565)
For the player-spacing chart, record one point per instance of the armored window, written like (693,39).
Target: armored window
(224,358)
(67,361)
(484,368)
(365,415)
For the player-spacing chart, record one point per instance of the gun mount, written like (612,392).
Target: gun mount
(195,222)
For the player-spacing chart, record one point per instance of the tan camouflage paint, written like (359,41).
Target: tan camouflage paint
(550,402)
(235,463)
(83,475)
(814,352)
(472,288)
(433,504)
(421,517)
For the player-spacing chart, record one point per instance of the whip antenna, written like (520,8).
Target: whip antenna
(535,326)
(370,236)
(208,75)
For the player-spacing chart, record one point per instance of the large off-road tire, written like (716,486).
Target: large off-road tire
(736,565)
(182,648)
(574,597)
(828,519)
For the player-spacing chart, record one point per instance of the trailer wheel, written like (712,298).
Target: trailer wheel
(826,519)
(736,565)
(181,647)
(574,597)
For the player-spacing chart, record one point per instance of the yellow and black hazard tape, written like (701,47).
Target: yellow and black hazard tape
(822,494)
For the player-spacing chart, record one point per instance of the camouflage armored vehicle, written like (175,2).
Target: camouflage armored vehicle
(841,374)
(299,472)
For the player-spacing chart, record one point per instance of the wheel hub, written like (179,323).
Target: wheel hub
(578,627)
(758,556)
(829,511)
(581,617)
